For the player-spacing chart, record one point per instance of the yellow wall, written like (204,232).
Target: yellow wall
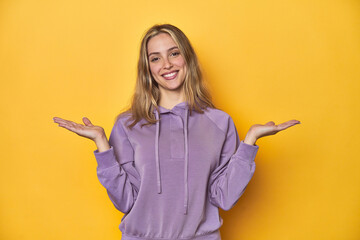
(264,60)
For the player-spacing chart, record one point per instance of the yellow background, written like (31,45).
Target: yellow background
(264,60)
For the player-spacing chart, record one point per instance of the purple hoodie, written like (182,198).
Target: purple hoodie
(170,178)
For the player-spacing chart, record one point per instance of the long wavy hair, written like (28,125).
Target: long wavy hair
(147,93)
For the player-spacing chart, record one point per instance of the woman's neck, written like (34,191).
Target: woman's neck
(170,99)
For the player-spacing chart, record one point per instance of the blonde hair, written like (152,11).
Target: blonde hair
(147,93)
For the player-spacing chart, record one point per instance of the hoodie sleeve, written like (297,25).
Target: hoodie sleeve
(236,167)
(116,170)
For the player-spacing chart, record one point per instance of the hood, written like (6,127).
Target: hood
(182,110)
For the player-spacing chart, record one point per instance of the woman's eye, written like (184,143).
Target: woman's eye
(175,53)
(154,59)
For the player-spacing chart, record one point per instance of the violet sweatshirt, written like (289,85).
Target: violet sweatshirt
(170,178)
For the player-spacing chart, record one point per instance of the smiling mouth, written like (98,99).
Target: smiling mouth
(170,76)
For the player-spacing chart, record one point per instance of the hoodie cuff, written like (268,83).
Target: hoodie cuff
(105,159)
(246,152)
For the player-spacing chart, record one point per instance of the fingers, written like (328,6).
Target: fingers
(87,122)
(287,124)
(271,123)
(293,121)
(70,125)
(60,120)
(57,119)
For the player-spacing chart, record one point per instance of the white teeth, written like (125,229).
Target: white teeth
(170,74)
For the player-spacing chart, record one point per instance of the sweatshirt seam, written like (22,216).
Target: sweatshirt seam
(187,238)
(207,115)
(251,153)
(105,168)
(243,163)
(251,158)
(126,133)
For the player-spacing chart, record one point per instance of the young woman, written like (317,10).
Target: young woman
(172,159)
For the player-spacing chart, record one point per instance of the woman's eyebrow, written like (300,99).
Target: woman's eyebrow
(158,52)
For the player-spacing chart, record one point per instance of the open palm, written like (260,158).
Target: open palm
(259,130)
(87,130)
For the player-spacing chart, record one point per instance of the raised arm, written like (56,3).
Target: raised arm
(229,180)
(116,170)
(236,167)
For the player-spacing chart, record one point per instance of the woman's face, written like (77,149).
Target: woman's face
(167,65)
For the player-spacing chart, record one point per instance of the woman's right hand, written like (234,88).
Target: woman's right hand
(95,133)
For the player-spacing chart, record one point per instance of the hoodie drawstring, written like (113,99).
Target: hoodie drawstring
(186,192)
(157,151)
(157,134)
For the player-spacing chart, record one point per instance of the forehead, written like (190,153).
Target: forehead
(160,43)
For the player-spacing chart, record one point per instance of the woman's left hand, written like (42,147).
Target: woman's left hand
(258,130)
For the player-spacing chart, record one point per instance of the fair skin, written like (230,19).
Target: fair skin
(168,69)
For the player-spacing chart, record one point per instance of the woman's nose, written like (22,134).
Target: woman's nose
(167,63)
